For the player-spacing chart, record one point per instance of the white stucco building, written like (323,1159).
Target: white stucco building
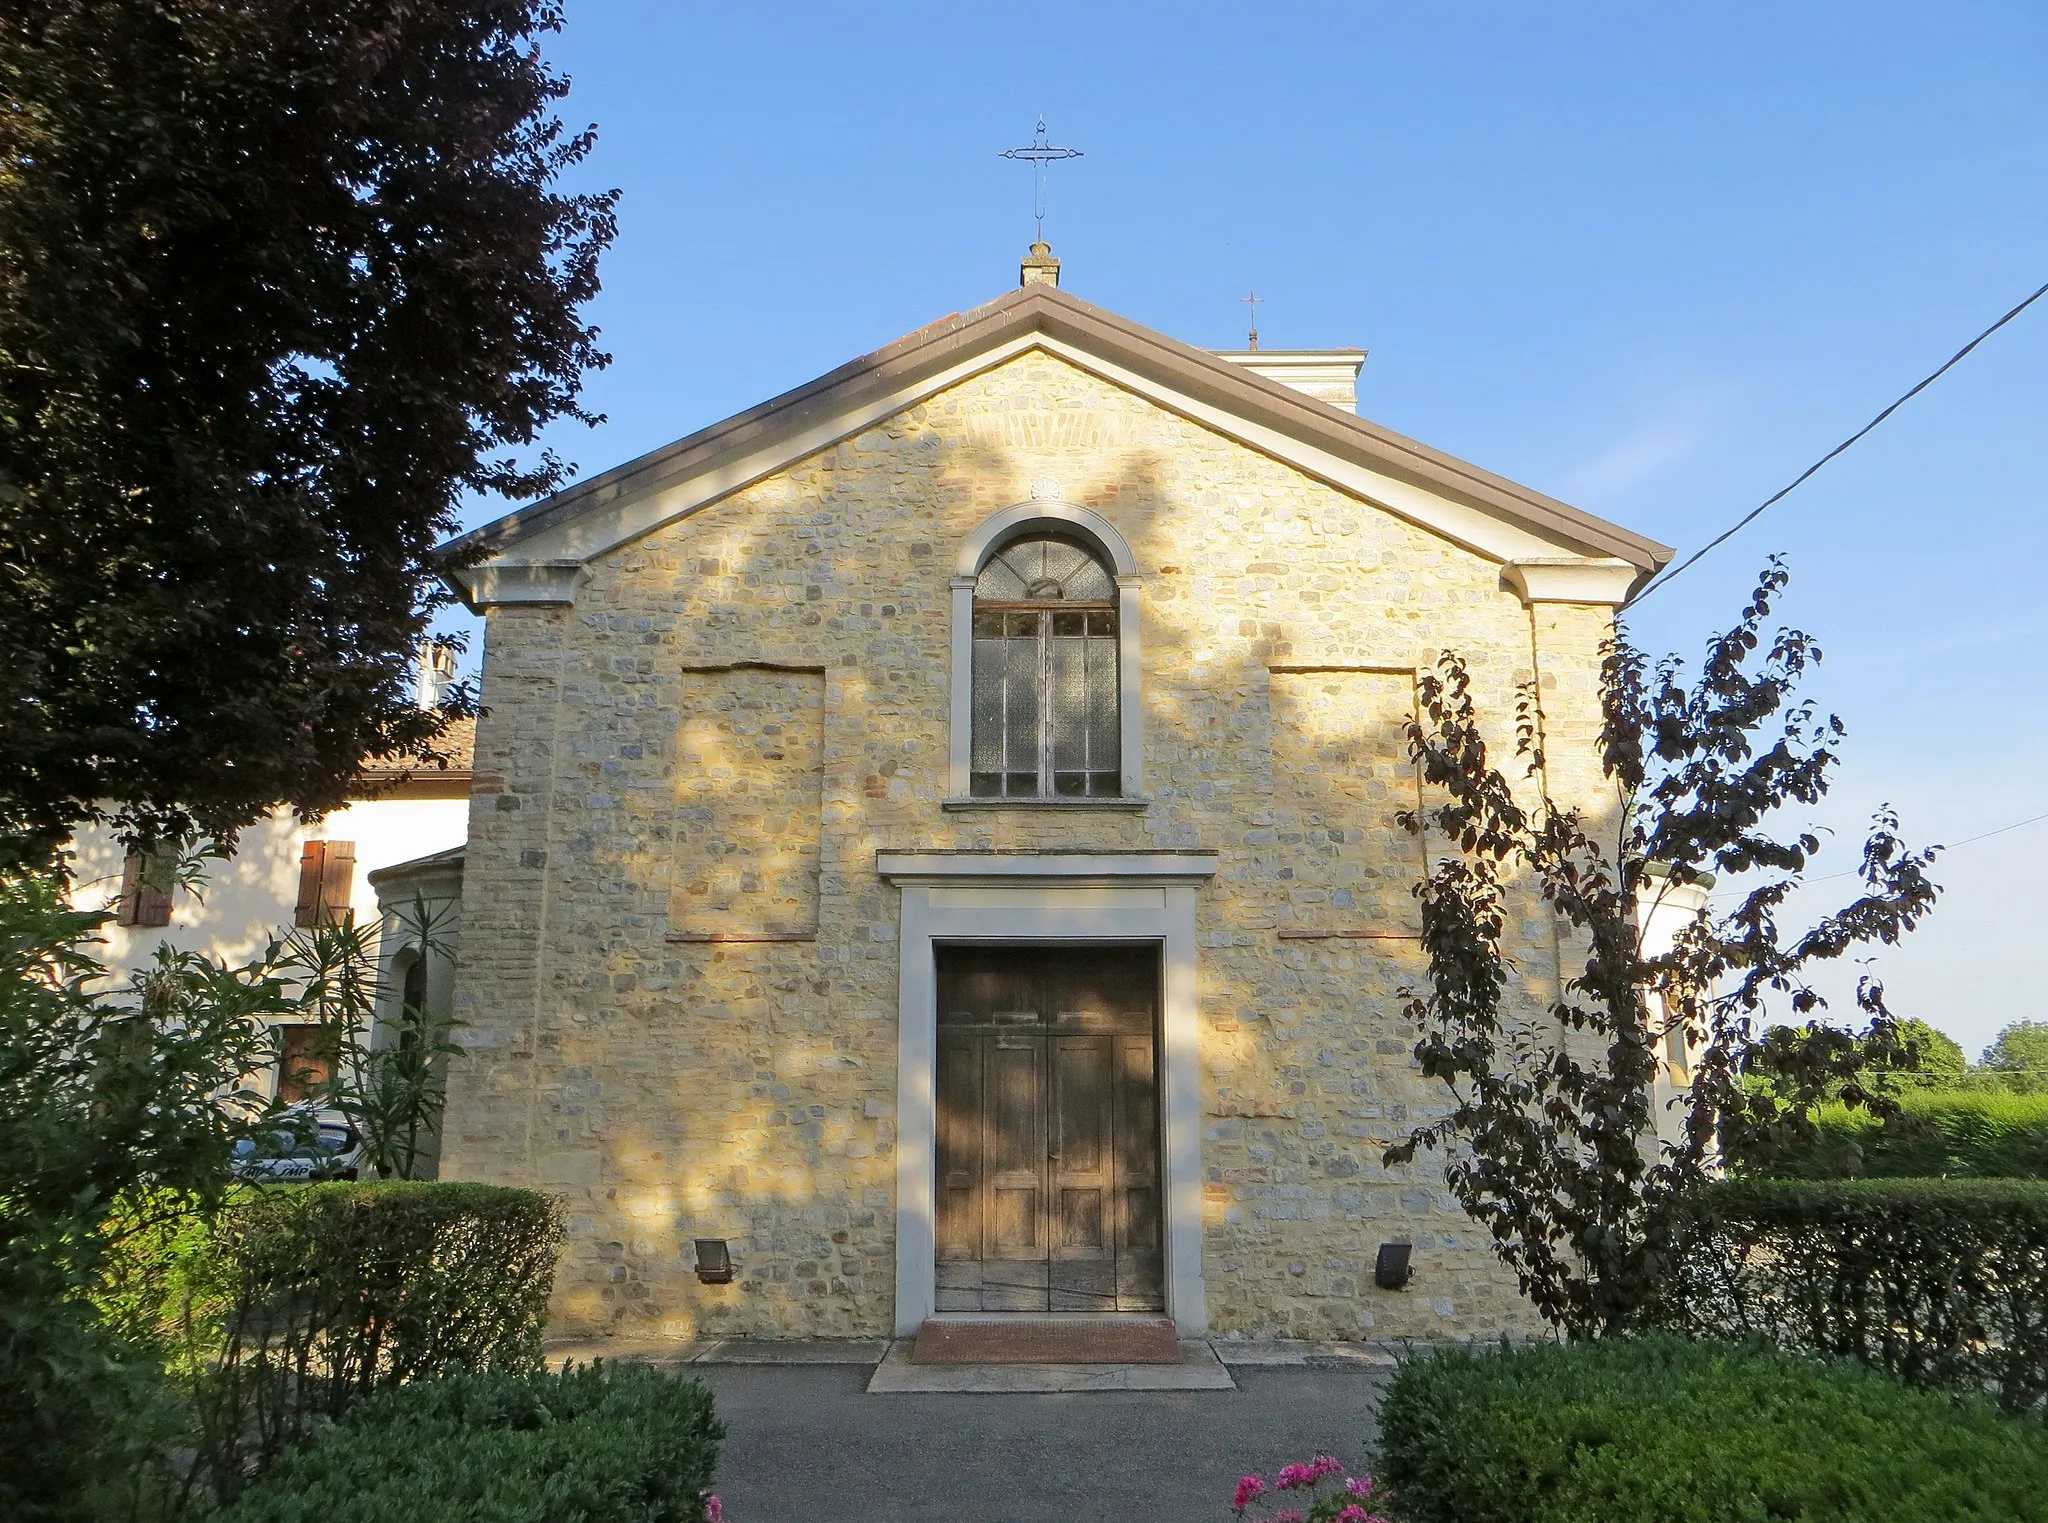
(284,871)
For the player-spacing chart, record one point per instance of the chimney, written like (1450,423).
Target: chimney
(1040,268)
(437,674)
(1328,375)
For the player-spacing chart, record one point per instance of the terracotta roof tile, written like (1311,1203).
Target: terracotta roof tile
(458,742)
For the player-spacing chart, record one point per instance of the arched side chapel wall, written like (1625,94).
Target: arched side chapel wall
(747,1089)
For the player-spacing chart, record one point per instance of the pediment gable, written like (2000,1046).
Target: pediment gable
(1547,549)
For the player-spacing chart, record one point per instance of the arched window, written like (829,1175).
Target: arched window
(413,997)
(1046,721)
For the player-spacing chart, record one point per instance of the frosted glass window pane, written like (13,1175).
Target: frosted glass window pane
(989,656)
(999,582)
(1058,560)
(1069,704)
(1021,698)
(1045,569)
(1105,739)
(1091,582)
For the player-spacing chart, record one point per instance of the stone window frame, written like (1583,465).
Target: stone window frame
(1045,512)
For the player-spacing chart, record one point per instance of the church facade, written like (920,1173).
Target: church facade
(934,834)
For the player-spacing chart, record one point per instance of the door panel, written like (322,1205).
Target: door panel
(1083,1253)
(959,1148)
(1013,1140)
(1140,1263)
(1048,1148)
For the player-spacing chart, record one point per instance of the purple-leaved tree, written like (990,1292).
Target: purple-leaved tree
(1551,1141)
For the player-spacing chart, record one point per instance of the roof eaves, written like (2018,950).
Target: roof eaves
(929,348)
(1221,383)
(1195,371)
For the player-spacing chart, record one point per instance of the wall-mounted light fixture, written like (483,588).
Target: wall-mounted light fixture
(714,1261)
(1391,1271)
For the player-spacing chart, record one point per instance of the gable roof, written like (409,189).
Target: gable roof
(596,515)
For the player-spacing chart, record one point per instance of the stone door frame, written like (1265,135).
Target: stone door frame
(967,896)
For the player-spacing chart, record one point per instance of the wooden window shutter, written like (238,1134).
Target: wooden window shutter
(312,871)
(338,881)
(145,890)
(153,891)
(327,871)
(131,888)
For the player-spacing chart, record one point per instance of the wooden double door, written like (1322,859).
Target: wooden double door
(1048,1187)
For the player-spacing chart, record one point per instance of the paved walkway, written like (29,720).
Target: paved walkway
(809,1444)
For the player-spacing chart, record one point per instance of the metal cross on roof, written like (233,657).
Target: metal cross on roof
(1253,301)
(1040,153)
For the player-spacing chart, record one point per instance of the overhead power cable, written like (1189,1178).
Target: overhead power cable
(2001,830)
(1758,511)
(1940,846)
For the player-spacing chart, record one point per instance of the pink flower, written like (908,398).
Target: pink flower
(714,1510)
(1359,1485)
(1352,1513)
(1248,1489)
(1294,1477)
(1289,1515)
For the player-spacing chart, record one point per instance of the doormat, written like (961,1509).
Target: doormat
(1046,1343)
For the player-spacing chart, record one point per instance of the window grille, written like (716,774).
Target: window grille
(1045,674)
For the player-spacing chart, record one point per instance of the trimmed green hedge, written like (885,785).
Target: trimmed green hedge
(594,1445)
(393,1280)
(1939,1282)
(1949,1133)
(300,1300)
(1665,1431)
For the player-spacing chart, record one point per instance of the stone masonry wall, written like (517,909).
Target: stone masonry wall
(745,1089)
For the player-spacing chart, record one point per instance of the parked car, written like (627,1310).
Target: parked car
(305,1142)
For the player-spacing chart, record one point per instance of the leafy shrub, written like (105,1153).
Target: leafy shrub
(1942,1283)
(2020,1049)
(298,1301)
(2006,1081)
(1932,1060)
(105,1099)
(116,1259)
(1987,1134)
(1664,1431)
(610,1445)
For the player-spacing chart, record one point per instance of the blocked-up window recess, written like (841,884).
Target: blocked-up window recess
(1341,778)
(749,805)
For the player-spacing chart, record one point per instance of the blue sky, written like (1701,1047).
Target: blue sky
(1652,262)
